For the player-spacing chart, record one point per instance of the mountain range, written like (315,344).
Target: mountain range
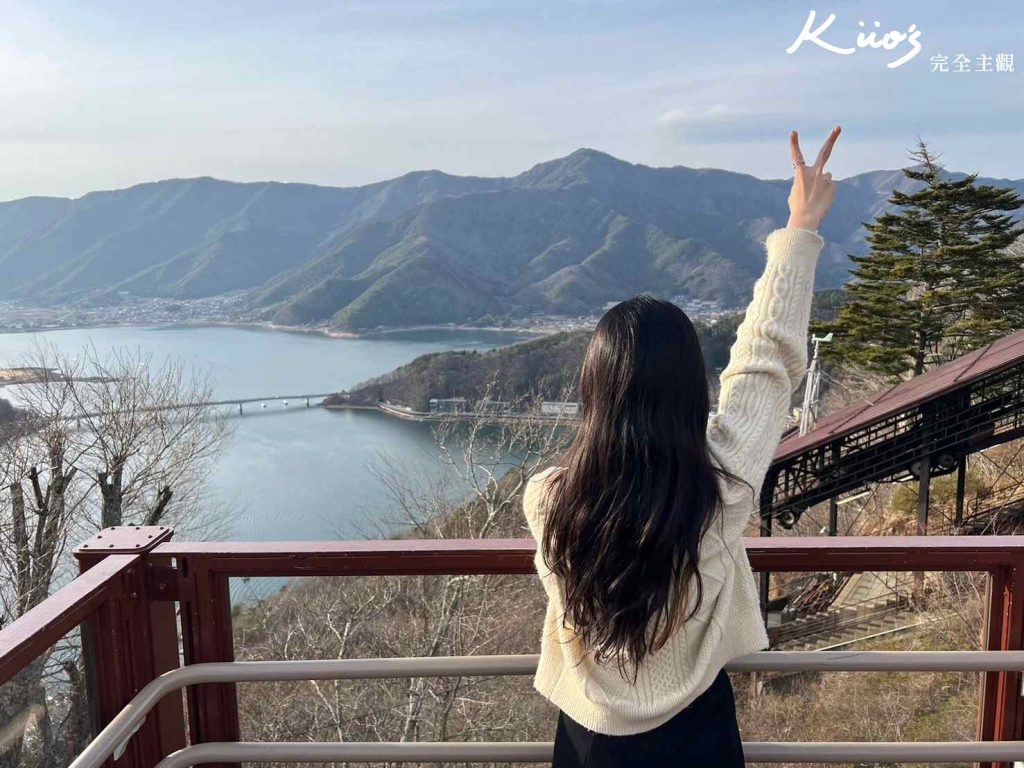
(564,237)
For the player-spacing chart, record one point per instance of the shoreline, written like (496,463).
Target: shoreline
(404,414)
(336,334)
(273,327)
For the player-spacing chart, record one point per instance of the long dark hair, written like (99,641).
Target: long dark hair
(625,518)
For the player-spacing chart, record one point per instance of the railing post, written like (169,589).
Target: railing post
(1001,715)
(961,484)
(130,640)
(207,634)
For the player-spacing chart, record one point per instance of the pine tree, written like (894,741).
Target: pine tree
(940,279)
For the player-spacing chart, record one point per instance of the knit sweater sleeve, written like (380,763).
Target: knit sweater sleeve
(766,364)
(533,501)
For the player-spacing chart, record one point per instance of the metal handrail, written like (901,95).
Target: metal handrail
(143,573)
(112,739)
(930,752)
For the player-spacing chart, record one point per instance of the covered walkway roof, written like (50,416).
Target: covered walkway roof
(968,404)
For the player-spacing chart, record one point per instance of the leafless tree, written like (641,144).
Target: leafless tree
(142,427)
(474,492)
(492,458)
(103,440)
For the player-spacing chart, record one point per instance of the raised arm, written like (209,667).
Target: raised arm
(769,357)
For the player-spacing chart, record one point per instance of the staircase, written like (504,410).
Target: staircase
(826,611)
(866,605)
(842,627)
(992,511)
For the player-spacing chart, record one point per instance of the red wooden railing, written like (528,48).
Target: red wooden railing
(136,582)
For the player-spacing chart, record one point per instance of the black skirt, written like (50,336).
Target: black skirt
(704,734)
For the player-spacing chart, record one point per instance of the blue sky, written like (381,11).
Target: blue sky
(105,95)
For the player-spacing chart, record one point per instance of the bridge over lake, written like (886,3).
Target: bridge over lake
(239,402)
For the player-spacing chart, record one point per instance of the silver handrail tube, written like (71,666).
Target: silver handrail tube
(121,728)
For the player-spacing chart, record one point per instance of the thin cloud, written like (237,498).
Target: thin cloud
(714,113)
(347,93)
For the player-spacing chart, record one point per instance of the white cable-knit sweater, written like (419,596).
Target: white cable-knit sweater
(766,364)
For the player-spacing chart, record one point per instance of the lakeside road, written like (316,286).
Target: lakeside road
(408,414)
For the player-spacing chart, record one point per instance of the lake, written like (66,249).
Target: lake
(289,472)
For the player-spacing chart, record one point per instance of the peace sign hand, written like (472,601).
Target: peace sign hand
(813,191)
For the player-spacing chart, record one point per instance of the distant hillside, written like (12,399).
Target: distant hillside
(565,237)
(546,368)
(187,238)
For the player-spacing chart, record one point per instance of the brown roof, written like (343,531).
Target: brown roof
(908,394)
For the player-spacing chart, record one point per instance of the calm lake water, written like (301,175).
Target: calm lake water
(289,472)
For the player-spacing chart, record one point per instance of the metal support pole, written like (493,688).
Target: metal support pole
(924,487)
(812,385)
(923,495)
(833,503)
(961,483)
(129,641)
(239,409)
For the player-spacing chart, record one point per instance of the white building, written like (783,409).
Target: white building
(447,405)
(560,408)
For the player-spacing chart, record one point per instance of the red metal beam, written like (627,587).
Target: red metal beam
(1001,714)
(24,639)
(207,635)
(464,556)
(405,557)
(992,635)
(889,553)
(163,629)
